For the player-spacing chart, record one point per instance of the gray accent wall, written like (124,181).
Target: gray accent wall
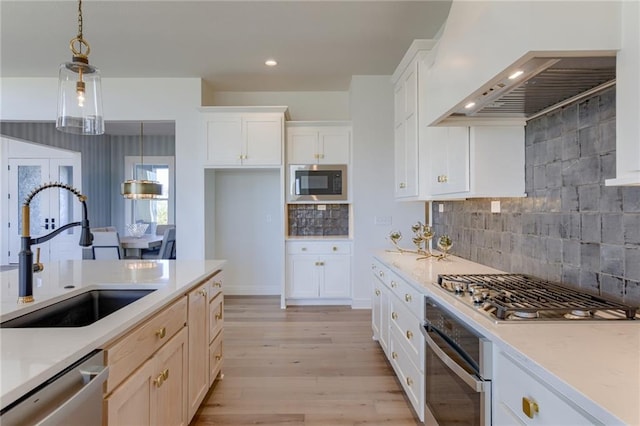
(102,163)
(571,227)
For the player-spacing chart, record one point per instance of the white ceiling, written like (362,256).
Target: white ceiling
(319,45)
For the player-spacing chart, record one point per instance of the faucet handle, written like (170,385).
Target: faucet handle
(37,266)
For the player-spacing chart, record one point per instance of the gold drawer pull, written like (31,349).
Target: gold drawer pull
(217,284)
(162,377)
(219,316)
(529,407)
(409,381)
(407,297)
(161,332)
(394,315)
(202,292)
(377,292)
(394,284)
(402,185)
(394,355)
(219,357)
(335,248)
(409,335)
(381,273)
(373,267)
(303,249)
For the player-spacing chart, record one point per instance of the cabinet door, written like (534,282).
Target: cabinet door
(262,140)
(198,347)
(133,402)
(171,382)
(400,157)
(303,276)
(224,139)
(406,134)
(302,146)
(335,276)
(449,148)
(216,316)
(334,146)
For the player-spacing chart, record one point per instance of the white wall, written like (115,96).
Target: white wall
(166,99)
(302,105)
(371,107)
(248,222)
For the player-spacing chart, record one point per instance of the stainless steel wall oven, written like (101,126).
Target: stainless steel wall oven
(457,371)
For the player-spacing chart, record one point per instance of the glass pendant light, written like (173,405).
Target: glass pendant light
(79,90)
(141,189)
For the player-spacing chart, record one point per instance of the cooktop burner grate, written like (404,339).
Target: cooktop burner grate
(519,295)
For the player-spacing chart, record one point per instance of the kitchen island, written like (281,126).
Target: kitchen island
(29,356)
(593,366)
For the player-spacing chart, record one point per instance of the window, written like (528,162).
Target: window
(159,211)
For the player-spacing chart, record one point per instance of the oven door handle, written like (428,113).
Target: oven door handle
(473,382)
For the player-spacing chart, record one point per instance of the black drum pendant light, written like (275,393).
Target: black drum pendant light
(79,90)
(141,189)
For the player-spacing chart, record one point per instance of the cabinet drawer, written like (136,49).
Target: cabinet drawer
(410,297)
(518,390)
(216,356)
(381,272)
(407,328)
(128,353)
(315,247)
(216,316)
(409,375)
(215,284)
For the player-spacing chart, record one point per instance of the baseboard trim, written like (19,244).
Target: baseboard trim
(247,290)
(361,304)
(319,301)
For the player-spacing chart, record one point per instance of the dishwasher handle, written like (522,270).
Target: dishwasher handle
(93,378)
(472,381)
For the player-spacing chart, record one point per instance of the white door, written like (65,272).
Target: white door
(49,209)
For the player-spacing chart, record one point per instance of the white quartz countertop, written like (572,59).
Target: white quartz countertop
(594,364)
(29,356)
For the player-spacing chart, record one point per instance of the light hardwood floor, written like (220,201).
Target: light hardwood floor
(313,365)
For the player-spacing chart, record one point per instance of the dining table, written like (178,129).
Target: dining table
(134,246)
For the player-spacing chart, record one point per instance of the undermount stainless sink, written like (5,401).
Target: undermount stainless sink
(78,311)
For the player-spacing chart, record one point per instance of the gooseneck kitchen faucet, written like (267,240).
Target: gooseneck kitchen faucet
(25,257)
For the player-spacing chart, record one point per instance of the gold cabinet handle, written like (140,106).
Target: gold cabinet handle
(377,292)
(403,185)
(303,249)
(161,332)
(381,273)
(442,179)
(162,377)
(529,407)
(394,284)
(219,316)
(409,381)
(394,315)
(219,357)
(409,334)
(202,292)
(394,355)
(217,284)
(407,297)
(319,263)
(334,248)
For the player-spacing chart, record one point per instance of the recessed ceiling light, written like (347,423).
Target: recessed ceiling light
(470,105)
(271,62)
(516,74)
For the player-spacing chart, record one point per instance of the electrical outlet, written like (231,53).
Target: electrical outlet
(440,208)
(382,220)
(495,206)
(322,207)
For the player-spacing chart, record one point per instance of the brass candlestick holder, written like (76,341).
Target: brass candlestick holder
(422,236)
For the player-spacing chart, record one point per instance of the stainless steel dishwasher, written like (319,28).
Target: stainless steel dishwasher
(72,397)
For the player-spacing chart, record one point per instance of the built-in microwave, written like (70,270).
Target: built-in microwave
(318,182)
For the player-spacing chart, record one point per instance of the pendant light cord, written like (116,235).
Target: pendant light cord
(80,25)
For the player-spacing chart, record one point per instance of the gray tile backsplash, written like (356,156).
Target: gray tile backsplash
(311,220)
(571,227)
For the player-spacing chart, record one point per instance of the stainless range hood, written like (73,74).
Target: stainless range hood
(538,86)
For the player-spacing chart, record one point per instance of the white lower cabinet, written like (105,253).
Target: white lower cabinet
(520,397)
(318,272)
(397,315)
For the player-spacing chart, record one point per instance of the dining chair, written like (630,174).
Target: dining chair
(106,245)
(167,248)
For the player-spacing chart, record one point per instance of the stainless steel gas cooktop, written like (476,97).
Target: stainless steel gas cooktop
(517,297)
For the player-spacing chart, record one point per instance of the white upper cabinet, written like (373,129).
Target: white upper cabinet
(244,137)
(318,143)
(408,118)
(473,162)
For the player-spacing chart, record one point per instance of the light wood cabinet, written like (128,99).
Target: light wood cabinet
(198,322)
(237,138)
(154,393)
(312,143)
(318,272)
